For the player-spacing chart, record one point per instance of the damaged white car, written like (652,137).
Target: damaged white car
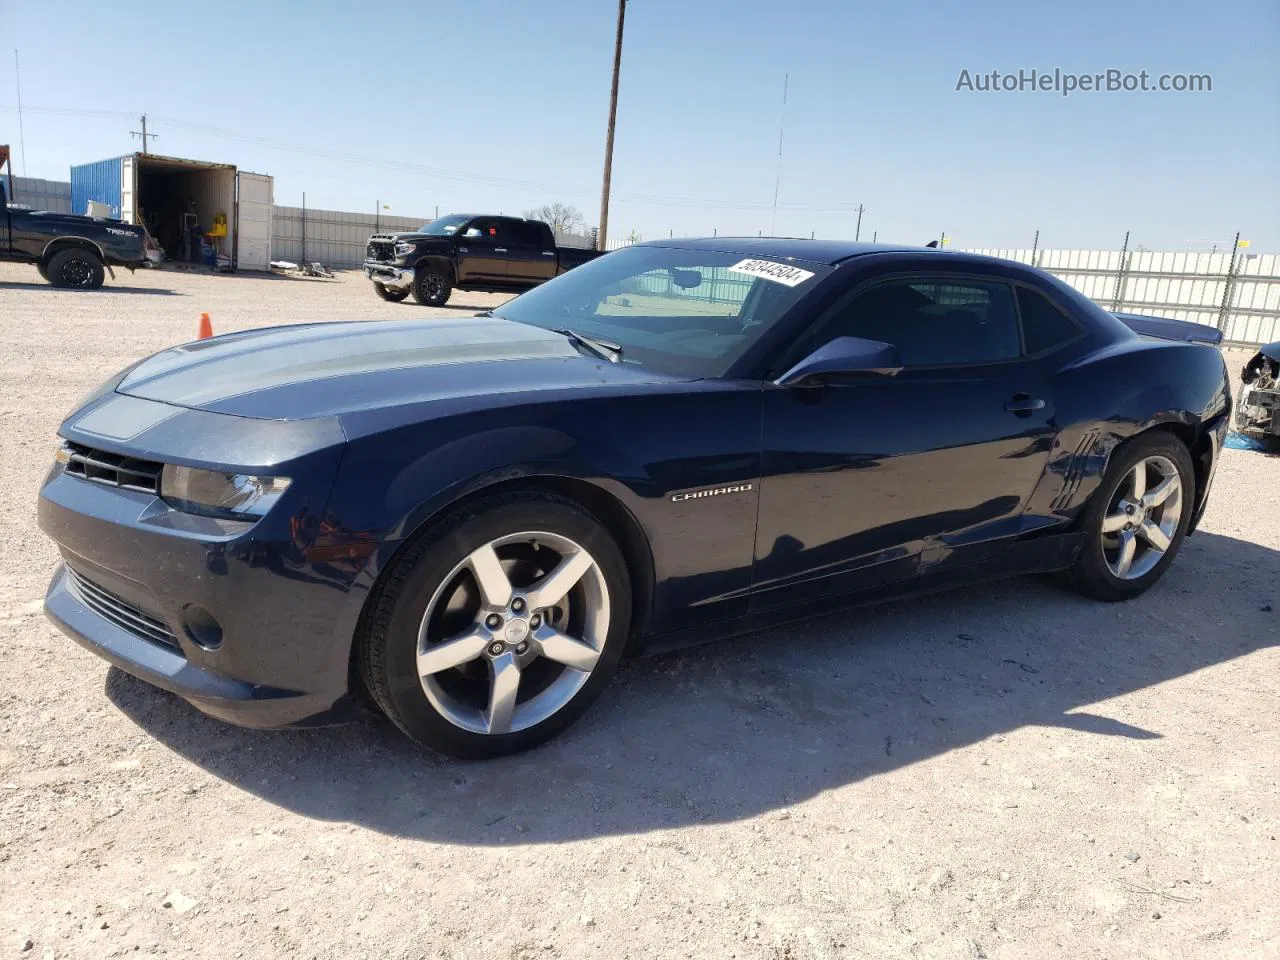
(1258,406)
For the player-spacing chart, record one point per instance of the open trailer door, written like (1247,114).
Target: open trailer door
(253,221)
(128,191)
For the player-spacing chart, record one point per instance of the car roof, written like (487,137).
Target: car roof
(830,252)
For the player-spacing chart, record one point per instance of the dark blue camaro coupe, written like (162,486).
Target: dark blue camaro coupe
(475,519)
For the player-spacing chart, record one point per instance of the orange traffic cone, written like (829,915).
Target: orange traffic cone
(206,328)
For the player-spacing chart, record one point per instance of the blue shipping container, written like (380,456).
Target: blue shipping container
(96,181)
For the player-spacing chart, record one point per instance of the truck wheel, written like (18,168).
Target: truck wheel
(390,294)
(75,268)
(44,274)
(431,289)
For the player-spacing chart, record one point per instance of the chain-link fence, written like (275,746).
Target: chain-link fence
(1233,290)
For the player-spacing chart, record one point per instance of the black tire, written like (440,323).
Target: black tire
(388,637)
(43,271)
(76,268)
(1091,574)
(431,288)
(390,294)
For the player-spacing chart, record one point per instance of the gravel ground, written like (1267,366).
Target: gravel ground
(1006,771)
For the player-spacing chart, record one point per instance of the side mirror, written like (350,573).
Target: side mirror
(844,356)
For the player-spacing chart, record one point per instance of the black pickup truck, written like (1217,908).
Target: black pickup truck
(467,252)
(68,251)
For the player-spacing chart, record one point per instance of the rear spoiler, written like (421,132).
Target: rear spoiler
(1163,328)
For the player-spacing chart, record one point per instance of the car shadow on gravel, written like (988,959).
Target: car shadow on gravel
(106,288)
(742,727)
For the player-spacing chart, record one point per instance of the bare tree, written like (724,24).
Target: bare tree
(562,217)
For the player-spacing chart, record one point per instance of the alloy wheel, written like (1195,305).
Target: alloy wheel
(1142,519)
(434,286)
(513,632)
(77,273)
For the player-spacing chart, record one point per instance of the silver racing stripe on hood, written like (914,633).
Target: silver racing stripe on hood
(212,370)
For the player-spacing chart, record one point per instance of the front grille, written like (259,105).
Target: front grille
(123,614)
(113,469)
(381,250)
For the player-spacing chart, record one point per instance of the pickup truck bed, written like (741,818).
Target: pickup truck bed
(467,252)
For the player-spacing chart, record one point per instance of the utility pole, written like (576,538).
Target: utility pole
(777,177)
(602,238)
(857,231)
(143,134)
(22,137)
(377,216)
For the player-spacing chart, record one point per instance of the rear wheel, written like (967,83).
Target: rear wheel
(1137,519)
(499,627)
(431,288)
(391,294)
(76,269)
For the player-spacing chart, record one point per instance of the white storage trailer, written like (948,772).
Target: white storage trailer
(156,192)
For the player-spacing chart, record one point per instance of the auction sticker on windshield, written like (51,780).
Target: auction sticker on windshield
(777,272)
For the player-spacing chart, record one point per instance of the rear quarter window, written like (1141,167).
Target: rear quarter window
(1044,325)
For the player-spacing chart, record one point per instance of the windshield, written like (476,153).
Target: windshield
(678,311)
(443,226)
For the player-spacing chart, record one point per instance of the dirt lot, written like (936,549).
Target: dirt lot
(1008,771)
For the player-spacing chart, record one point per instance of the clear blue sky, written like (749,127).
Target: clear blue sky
(501,105)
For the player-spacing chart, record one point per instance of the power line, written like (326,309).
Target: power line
(401,166)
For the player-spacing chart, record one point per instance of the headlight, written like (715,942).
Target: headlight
(404,248)
(211,492)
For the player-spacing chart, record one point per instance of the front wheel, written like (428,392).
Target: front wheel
(431,289)
(390,294)
(499,626)
(1137,519)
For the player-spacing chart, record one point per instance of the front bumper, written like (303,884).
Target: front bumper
(226,698)
(397,278)
(250,621)
(1259,412)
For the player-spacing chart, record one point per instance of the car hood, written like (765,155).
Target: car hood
(330,369)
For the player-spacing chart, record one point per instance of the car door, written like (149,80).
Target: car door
(481,252)
(530,253)
(875,479)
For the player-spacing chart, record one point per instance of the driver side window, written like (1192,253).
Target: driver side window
(484,230)
(933,321)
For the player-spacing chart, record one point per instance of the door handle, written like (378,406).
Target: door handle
(499,249)
(1023,404)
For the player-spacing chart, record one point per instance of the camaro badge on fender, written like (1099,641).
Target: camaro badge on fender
(713,492)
